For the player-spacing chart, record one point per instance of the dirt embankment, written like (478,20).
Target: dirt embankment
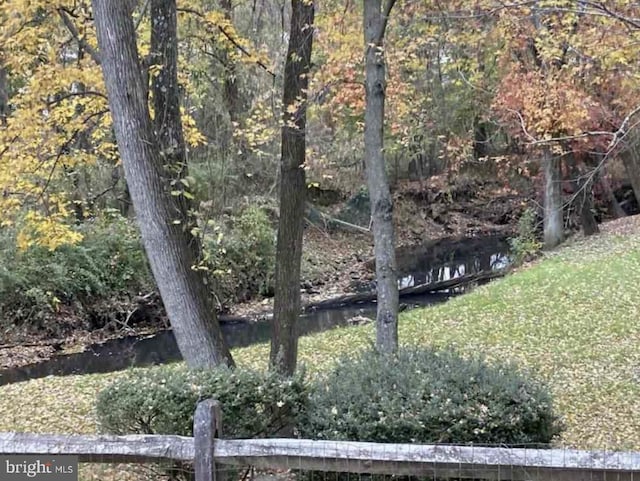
(335,262)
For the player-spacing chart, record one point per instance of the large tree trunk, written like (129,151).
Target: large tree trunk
(168,244)
(286,309)
(380,196)
(553,219)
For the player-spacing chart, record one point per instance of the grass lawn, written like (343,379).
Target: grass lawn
(571,320)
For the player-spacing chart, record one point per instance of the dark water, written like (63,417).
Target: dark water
(437,261)
(445,259)
(161,348)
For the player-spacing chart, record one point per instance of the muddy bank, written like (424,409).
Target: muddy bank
(432,276)
(335,263)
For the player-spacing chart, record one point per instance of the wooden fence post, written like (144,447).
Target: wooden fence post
(207,425)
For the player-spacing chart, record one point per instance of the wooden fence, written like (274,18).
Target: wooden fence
(209,453)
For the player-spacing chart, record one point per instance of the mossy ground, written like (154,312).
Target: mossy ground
(571,320)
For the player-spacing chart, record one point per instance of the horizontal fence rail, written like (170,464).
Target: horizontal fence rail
(134,448)
(330,456)
(360,457)
(209,453)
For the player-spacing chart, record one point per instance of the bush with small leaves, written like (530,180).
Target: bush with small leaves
(85,280)
(242,257)
(428,396)
(163,401)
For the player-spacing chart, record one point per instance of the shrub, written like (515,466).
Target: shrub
(526,246)
(426,396)
(107,265)
(163,400)
(242,257)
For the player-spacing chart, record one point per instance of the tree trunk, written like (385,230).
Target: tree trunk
(553,219)
(167,121)
(480,139)
(167,242)
(231,91)
(613,206)
(631,162)
(380,196)
(286,309)
(4,96)
(583,198)
(587,219)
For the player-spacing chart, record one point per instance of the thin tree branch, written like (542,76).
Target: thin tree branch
(230,38)
(523,125)
(142,15)
(632,22)
(64,16)
(8,146)
(88,93)
(113,185)
(61,151)
(616,136)
(623,126)
(388,6)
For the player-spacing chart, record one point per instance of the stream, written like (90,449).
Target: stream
(432,262)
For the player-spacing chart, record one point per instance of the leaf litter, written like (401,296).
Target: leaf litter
(570,319)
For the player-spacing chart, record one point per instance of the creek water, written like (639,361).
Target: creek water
(431,262)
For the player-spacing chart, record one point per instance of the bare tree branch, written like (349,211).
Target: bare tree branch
(8,146)
(623,126)
(388,6)
(632,22)
(142,15)
(86,93)
(230,39)
(64,16)
(615,135)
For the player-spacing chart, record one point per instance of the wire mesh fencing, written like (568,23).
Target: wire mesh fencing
(307,460)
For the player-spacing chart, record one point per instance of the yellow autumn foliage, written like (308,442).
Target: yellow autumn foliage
(58,119)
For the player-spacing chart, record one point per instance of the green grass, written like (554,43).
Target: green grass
(571,320)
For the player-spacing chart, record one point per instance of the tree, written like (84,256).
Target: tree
(52,97)
(571,89)
(4,96)
(148,159)
(583,196)
(631,160)
(553,218)
(375,23)
(284,336)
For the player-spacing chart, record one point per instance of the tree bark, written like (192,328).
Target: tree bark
(583,198)
(167,121)
(553,218)
(160,216)
(631,161)
(613,206)
(231,91)
(286,309)
(4,96)
(480,139)
(585,204)
(381,203)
